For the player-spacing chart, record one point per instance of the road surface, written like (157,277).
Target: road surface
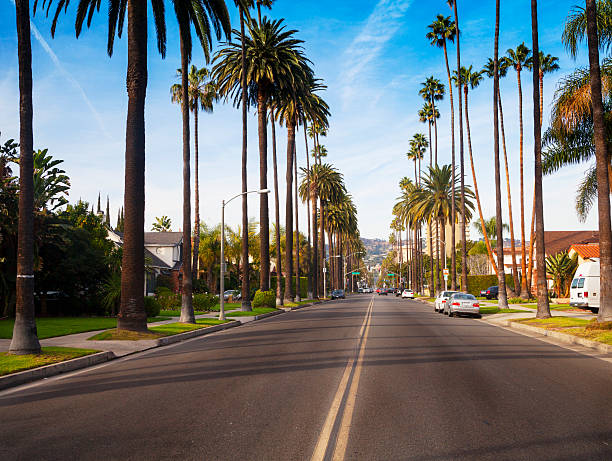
(367,378)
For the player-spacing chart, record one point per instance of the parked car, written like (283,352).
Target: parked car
(235,294)
(378,290)
(584,291)
(442,299)
(338,294)
(398,291)
(407,294)
(462,304)
(382,291)
(492,292)
(483,293)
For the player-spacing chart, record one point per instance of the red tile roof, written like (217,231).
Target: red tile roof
(556,241)
(587,251)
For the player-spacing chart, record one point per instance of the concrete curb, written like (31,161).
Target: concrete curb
(561,337)
(195,333)
(26,376)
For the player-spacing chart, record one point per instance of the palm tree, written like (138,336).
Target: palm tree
(206,16)
(277,236)
(162,224)
(489,227)
(519,59)
(561,268)
(503,65)
(602,162)
(471,79)
(202,94)
(501,275)
(575,29)
(453,5)
(25,339)
(441,30)
(432,90)
(428,114)
(543,310)
(275,58)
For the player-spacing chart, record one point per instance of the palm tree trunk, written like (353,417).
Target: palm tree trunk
(132,315)
(297,228)
(453,273)
(279,297)
(524,293)
(443,244)
(476,193)
(289,214)
(512,244)
(264,221)
(196,224)
(244,247)
(315,250)
(322,235)
(461,158)
(187,314)
(602,164)
(431,259)
(543,307)
(531,245)
(501,274)
(25,339)
(310,264)
(435,123)
(438,281)
(332,262)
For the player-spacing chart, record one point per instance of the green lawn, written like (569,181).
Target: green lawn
(177,313)
(496,310)
(300,303)
(168,329)
(14,363)
(256,311)
(589,329)
(49,327)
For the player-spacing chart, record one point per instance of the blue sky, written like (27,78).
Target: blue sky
(371,54)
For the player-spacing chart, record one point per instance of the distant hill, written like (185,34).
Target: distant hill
(376,249)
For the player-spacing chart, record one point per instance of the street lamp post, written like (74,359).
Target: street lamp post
(222,270)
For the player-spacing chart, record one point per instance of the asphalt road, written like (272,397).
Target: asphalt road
(354,379)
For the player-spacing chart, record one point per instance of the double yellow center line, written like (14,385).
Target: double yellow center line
(349,400)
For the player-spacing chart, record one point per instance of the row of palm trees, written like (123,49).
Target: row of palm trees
(576,135)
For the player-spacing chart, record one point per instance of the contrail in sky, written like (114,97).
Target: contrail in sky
(68,76)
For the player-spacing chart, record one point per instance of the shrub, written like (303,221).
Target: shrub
(167,299)
(152,306)
(199,286)
(165,281)
(204,301)
(482,282)
(515,300)
(264,299)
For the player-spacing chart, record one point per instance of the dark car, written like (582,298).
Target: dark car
(492,292)
(338,294)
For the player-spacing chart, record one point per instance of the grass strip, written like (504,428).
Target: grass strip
(254,312)
(157,332)
(14,363)
(588,329)
(177,313)
(496,310)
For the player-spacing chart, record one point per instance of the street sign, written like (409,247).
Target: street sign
(324,270)
(356,273)
(445,276)
(390,274)
(445,272)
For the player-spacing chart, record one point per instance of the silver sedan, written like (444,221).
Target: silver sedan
(462,304)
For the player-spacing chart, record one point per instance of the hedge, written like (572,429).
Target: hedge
(152,306)
(476,283)
(264,299)
(303,285)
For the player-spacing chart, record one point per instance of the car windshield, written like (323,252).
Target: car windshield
(463,296)
(447,294)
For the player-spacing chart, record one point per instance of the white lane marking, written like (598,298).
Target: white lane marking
(324,437)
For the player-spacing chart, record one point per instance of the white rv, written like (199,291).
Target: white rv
(584,292)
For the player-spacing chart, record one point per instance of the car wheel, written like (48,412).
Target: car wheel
(478,316)
(450,313)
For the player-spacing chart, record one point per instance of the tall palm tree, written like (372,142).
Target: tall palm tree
(602,161)
(471,79)
(441,30)
(543,310)
(519,59)
(432,90)
(575,30)
(25,339)
(501,274)
(265,4)
(274,57)
(453,5)
(202,93)
(206,17)
(277,236)
(503,65)
(429,114)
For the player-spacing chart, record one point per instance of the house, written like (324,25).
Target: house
(163,256)
(585,252)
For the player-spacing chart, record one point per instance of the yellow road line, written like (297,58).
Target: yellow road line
(324,437)
(345,425)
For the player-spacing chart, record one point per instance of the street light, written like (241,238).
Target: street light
(222,270)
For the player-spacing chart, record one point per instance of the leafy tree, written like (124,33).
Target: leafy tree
(162,224)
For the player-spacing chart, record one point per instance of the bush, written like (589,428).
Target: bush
(167,299)
(164,281)
(482,282)
(264,299)
(199,286)
(152,306)
(204,301)
(516,300)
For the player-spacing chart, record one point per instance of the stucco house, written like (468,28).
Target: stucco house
(163,256)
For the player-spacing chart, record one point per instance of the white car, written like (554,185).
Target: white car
(462,304)
(442,299)
(408,294)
